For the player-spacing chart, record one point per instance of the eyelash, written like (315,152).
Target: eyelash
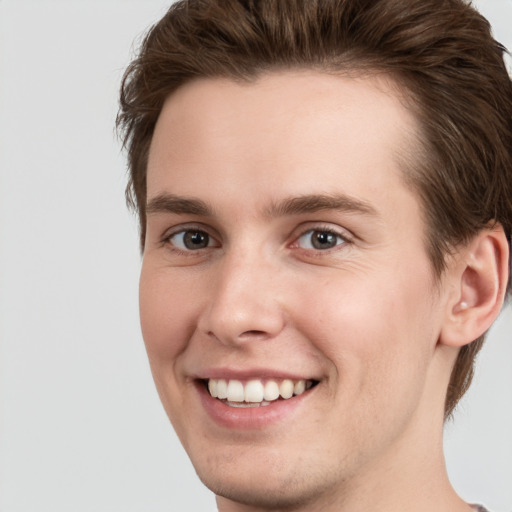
(167,240)
(342,239)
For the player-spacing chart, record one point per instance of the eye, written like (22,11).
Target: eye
(192,240)
(320,240)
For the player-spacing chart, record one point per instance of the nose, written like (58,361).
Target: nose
(244,303)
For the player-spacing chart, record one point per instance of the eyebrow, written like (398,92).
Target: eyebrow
(311,203)
(169,203)
(318,202)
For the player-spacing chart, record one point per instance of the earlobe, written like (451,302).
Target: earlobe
(481,275)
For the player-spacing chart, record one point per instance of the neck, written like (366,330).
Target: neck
(414,478)
(411,480)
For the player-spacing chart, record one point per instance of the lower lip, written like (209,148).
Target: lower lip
(248,418)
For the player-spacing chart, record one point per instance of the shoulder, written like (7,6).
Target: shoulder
(479,508)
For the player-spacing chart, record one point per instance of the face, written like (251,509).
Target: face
(285,273)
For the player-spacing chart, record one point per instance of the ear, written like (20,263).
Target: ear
(479,275)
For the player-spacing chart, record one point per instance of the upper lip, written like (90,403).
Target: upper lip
(248,374)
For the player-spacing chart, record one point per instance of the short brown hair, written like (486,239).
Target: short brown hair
(441,52)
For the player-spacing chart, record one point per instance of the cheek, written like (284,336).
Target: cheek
(376,332)
(167,310)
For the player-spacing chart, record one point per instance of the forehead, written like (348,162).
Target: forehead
(302,131)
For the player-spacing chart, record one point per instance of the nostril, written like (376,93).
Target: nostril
(243,337)
(252,334)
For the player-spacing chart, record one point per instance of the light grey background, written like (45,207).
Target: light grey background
(81,427)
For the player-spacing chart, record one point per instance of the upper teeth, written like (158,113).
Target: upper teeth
(256,390)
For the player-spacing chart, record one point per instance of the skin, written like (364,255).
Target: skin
(364,318)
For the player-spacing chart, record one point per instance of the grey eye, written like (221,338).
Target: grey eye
(319,240)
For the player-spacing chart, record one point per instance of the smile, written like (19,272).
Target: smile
(256,392)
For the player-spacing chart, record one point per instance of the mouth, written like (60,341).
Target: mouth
(256,392)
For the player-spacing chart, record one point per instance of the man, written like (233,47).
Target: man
(324,191)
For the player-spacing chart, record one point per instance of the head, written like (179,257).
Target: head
(435,58)
(441,54)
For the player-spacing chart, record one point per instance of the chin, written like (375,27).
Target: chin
(264,482)
(265,495)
